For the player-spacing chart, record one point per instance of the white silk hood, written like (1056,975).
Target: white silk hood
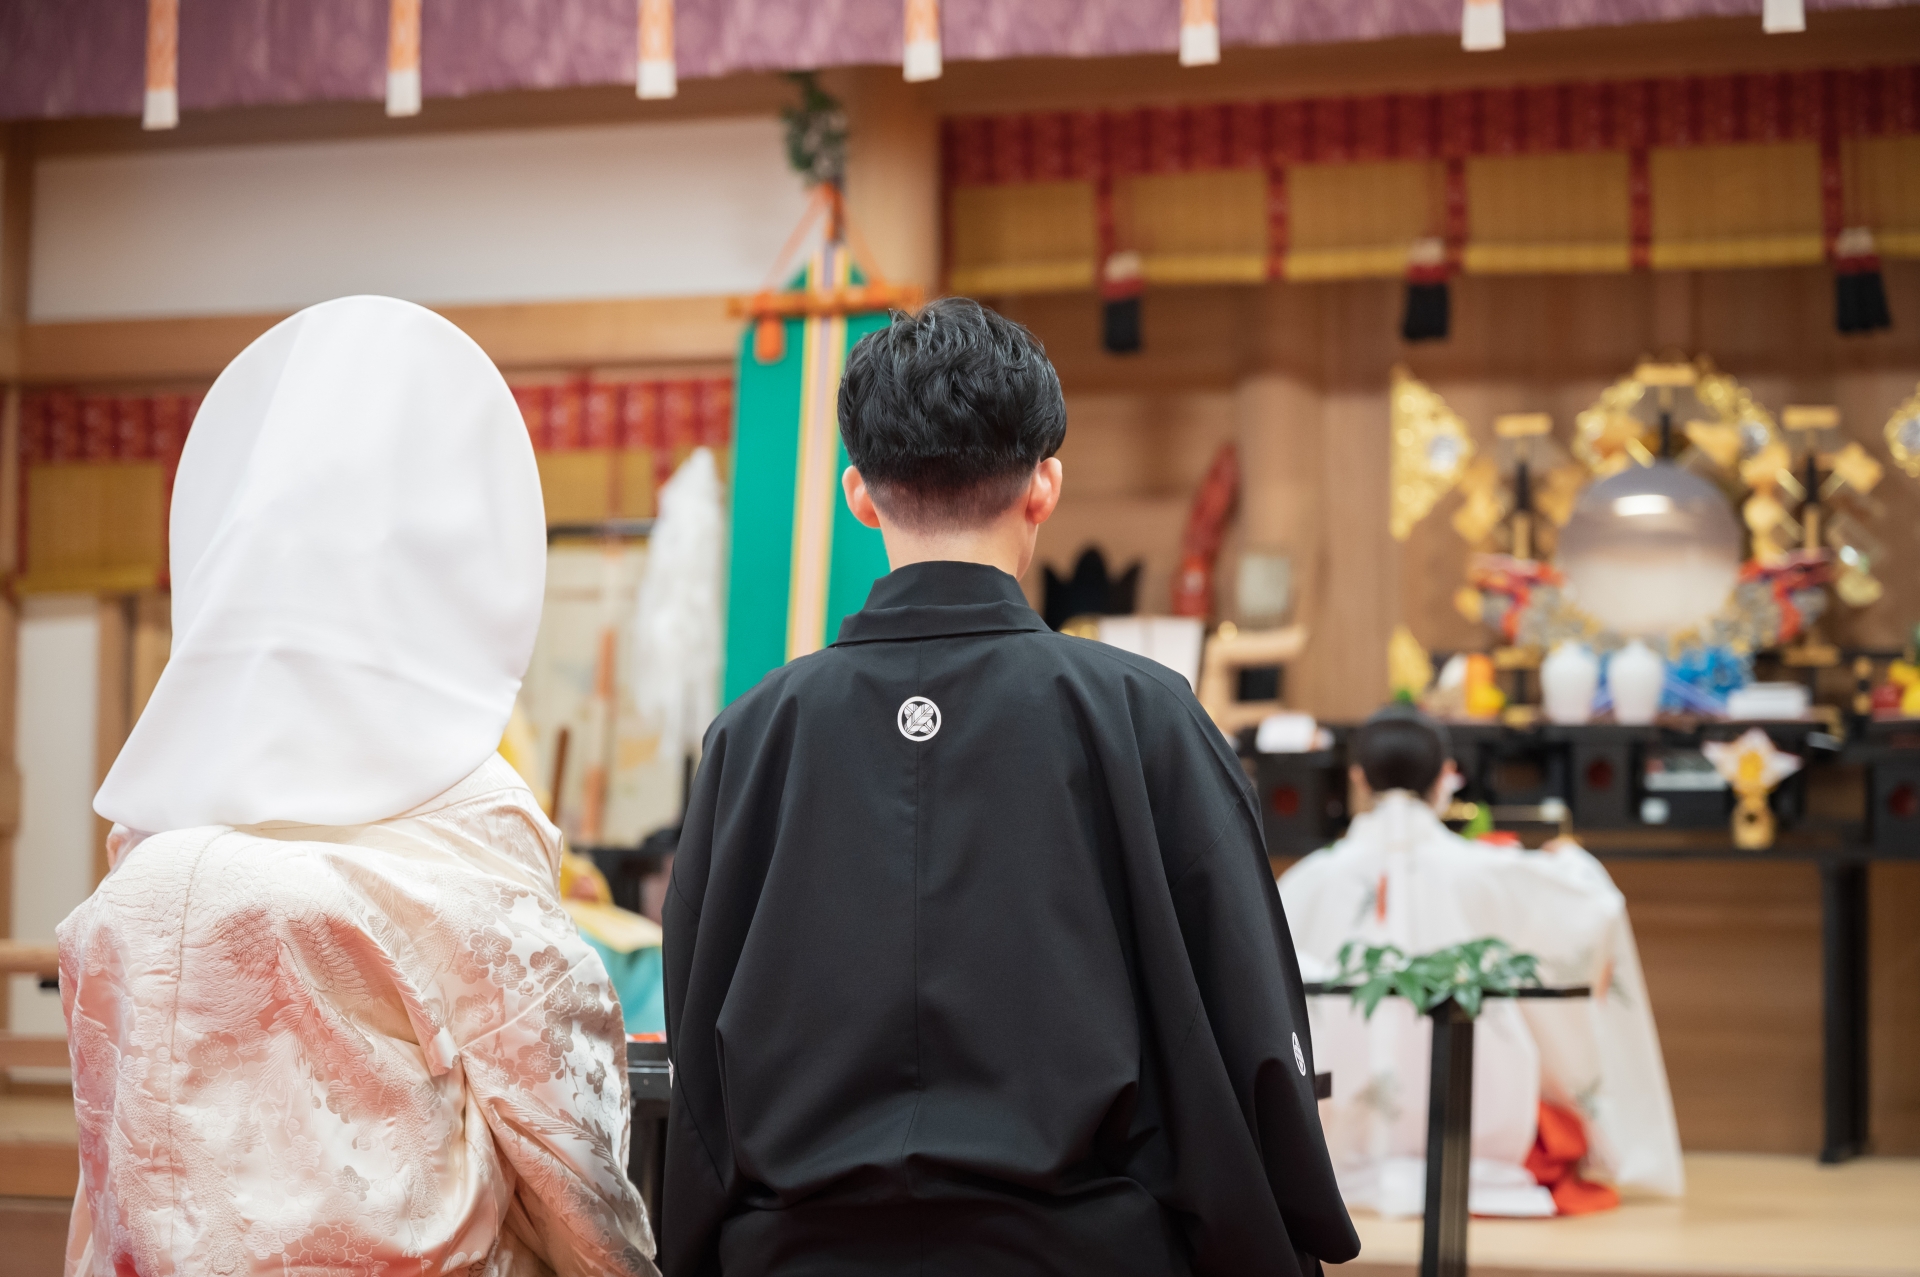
(358,557)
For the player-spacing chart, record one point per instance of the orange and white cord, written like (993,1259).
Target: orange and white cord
(922,59)
(655,76)
(1199,33)
(1483,26)
(1783,17)
(403,57)
(162,110)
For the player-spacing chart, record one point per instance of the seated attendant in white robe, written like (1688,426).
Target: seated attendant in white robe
(1401,877)
(326,1012)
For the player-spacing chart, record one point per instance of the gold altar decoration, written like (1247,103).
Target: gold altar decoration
(1554,483)
(1485,504)
(1903,434)
(1431,451)
(1704,407)
(1824,525)
(1409,667)
(1752,765)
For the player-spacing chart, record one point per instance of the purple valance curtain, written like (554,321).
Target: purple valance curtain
(86,57)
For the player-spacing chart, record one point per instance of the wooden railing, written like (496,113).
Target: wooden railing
(23,1050)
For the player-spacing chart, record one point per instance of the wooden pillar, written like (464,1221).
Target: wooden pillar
(113,710)
(1362,563)
(152,642)
(893,173)
(16,206)
(1278,428)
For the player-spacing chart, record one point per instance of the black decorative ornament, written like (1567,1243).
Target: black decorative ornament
(1090,591)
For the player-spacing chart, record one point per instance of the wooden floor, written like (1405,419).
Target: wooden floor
(37,1149)
(33,1236)
(1744,1215)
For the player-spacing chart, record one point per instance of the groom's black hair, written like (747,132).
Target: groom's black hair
(946,413)
(1401,748)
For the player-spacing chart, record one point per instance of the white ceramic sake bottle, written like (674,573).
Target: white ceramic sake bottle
(1569,677)
(1635,676)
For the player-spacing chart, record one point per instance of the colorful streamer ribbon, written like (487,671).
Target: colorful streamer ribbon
(922,60)
(1199,33)
(403,58)
(655,77)
(1483,26)
(1783,17)
(816,482)
(163,65)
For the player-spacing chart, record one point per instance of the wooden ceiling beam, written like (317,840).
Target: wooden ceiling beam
(648,331)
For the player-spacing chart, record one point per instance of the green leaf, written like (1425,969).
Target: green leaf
(1468,973)
(1411,987)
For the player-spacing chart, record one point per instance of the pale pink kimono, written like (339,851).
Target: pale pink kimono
(375,1049)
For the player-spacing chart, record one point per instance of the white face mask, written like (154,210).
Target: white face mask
(359,557)
(1451,782)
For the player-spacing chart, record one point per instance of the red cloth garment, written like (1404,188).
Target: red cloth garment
(1555,1164)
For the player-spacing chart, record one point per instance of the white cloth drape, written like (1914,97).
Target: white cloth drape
(1401,877)
(677,622)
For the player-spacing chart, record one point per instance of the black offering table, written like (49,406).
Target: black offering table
(1631,795)
(1443,1237)
(650,1079)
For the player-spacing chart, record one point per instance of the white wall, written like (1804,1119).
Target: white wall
(53,736)
(629,210)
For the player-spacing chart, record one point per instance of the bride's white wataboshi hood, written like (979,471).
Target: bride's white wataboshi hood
(358,557)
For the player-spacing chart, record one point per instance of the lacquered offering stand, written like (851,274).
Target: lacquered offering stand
(1443,1238)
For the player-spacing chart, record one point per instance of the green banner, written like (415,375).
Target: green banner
(798,560)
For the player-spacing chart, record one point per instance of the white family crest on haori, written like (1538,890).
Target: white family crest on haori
(919,718)
(348,639)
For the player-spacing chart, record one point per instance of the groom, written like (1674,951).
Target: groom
(974,963)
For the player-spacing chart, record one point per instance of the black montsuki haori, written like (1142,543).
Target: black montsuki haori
(1001,987)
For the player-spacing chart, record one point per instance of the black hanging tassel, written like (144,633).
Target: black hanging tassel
(1859,293)
(1429,313)
(1860,302)
(1120,286)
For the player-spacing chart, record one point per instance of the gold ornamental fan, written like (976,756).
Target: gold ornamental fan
(1903,434)
(1703,407)
(1486,501)
(1431,451)
(1735,417)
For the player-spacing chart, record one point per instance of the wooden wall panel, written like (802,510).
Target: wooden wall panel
(1308,366)
(1732,956)
(1132,462)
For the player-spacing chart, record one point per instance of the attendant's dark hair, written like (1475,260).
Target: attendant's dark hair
(947,412)
(1401,748)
